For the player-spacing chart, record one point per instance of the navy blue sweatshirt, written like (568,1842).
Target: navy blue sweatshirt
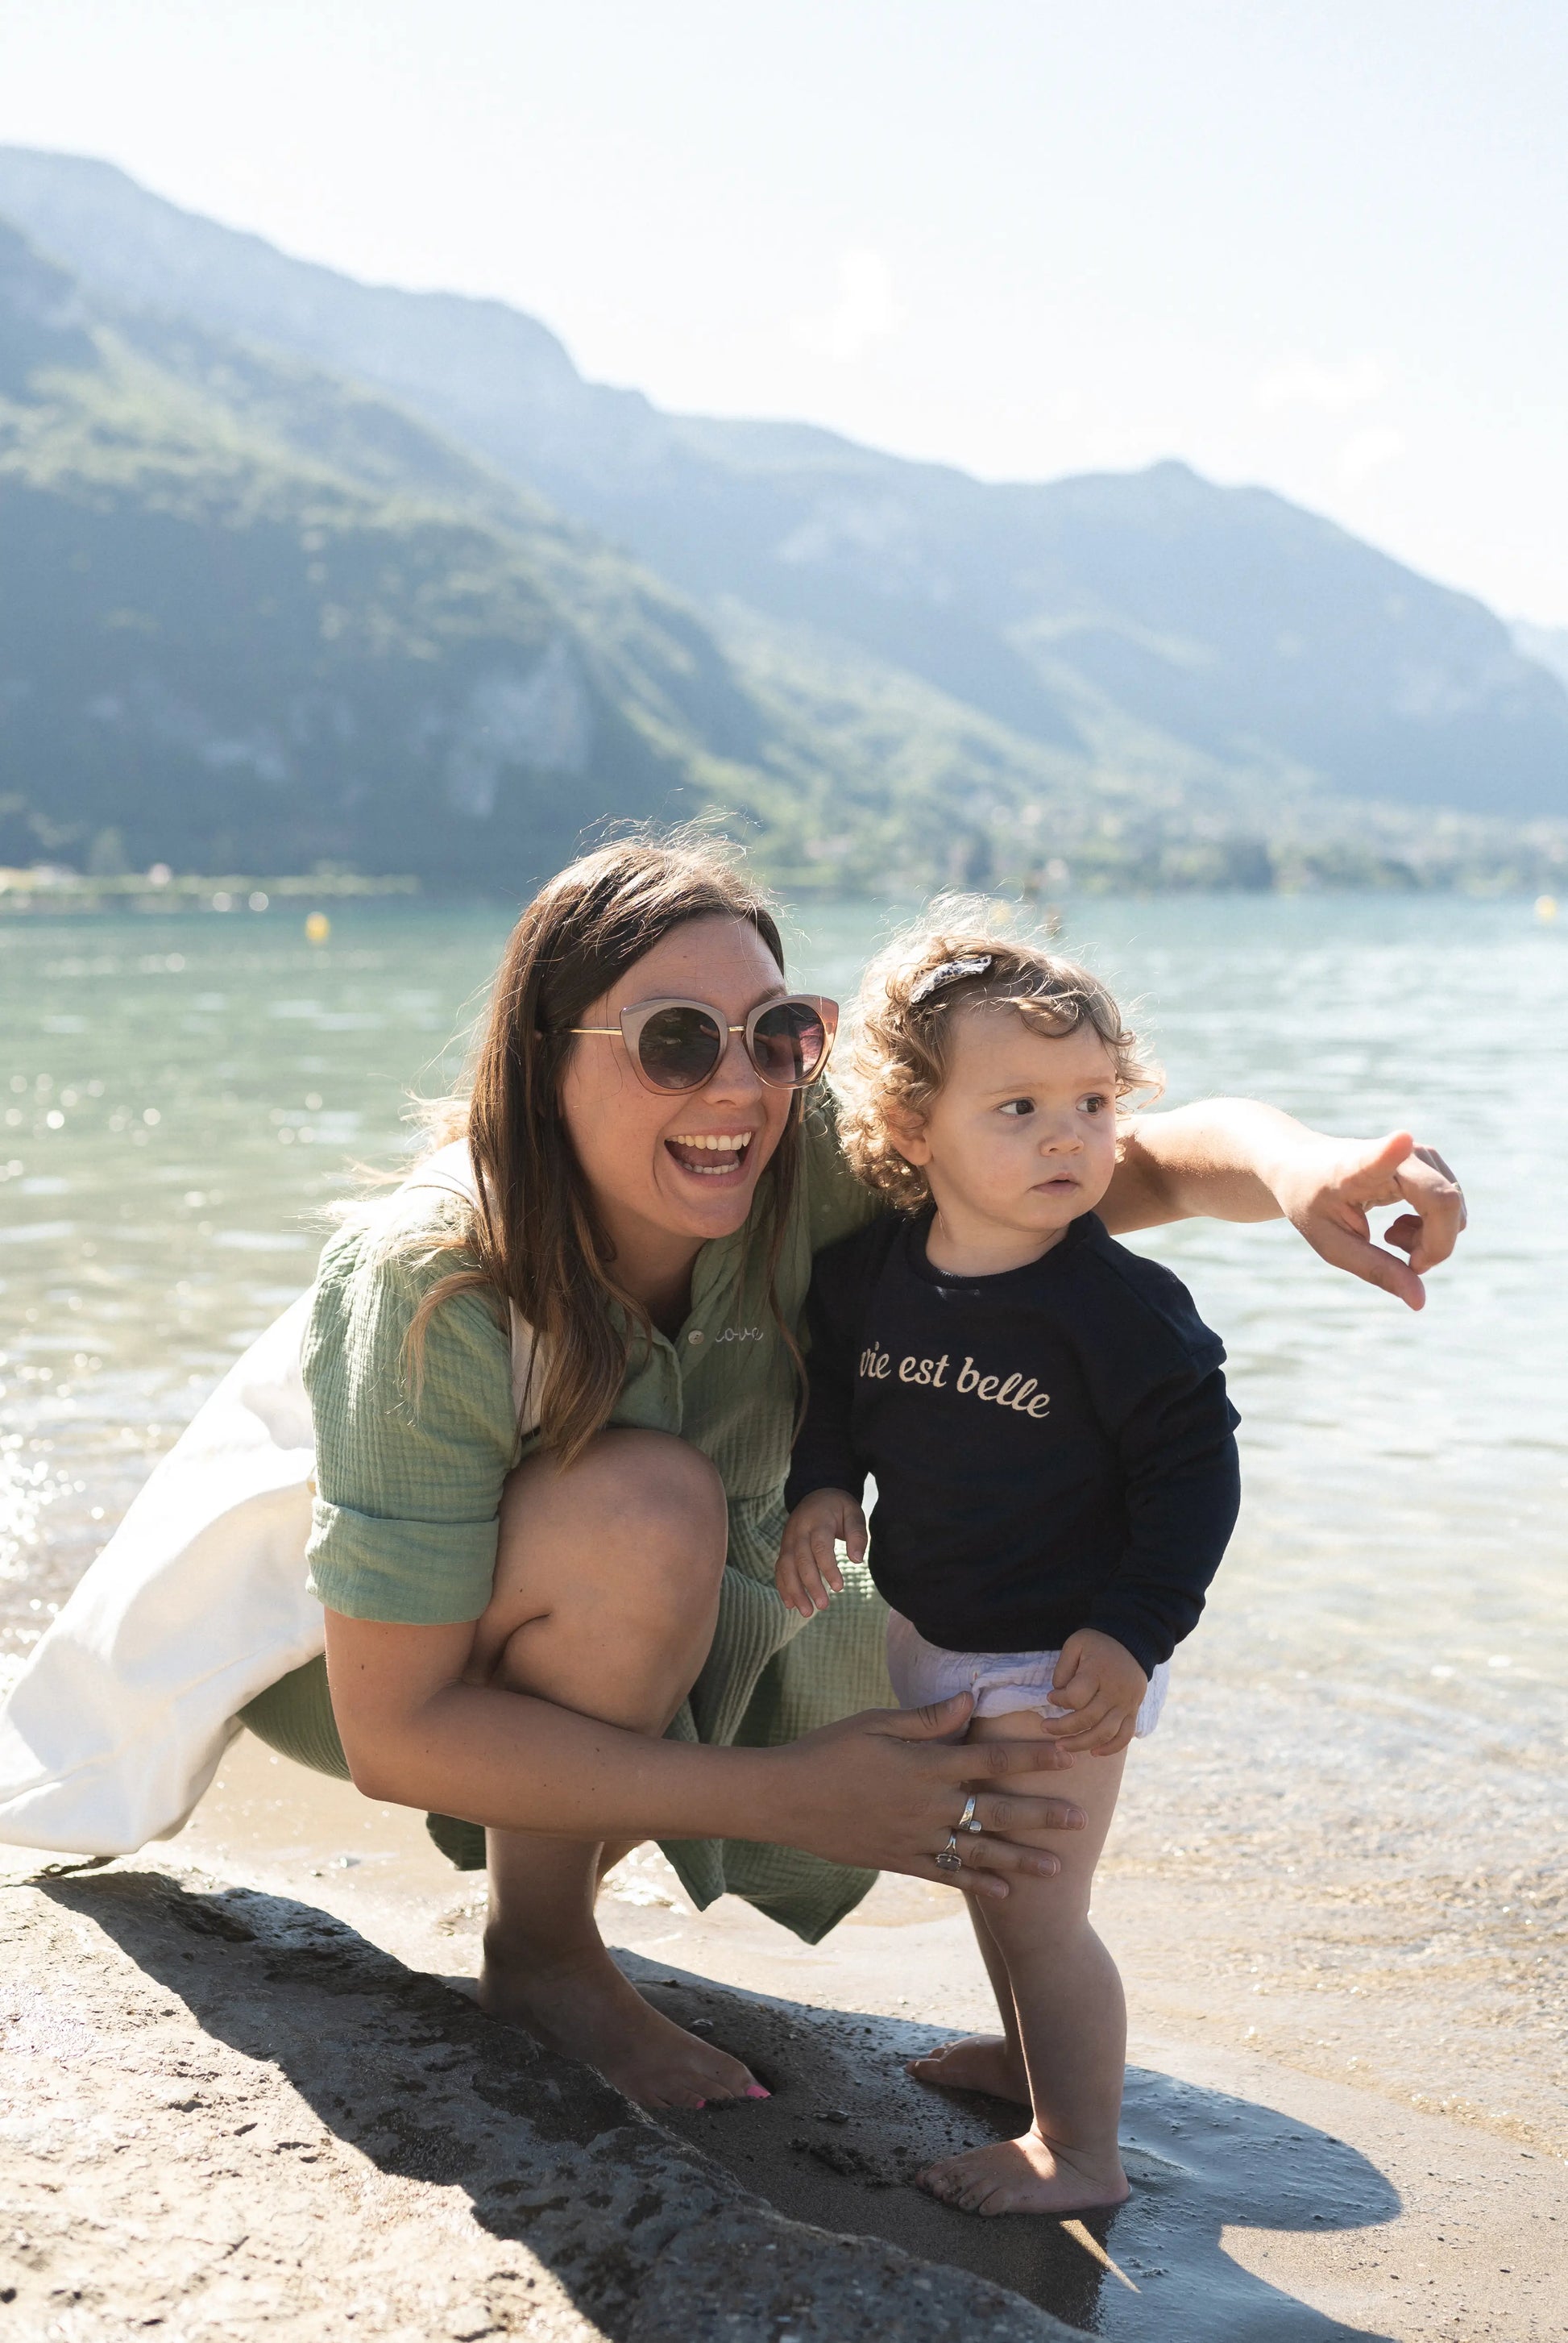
(1052,1446)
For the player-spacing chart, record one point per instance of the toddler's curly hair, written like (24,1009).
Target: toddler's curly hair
(902,1025)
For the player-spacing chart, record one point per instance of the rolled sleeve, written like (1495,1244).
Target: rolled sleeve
(419,1573)
(409,1472)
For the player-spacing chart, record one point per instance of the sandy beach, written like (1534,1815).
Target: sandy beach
(1345,2112)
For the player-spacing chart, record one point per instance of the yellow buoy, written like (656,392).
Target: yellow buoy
(317,928)
(1546,907)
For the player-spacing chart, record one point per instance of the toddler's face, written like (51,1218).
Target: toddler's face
(1023,1135)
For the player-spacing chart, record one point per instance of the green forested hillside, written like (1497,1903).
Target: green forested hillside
(1086,614)
(253,617)
(270,629)
(257,616)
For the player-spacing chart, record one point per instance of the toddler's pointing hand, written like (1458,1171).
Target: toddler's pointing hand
(808,1575)
(1101,1682)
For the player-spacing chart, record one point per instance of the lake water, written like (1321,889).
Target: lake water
(178,1097)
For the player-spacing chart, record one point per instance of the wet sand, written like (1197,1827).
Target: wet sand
(227,2115)
(1345,2113)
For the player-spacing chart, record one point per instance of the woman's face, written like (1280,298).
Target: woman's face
(650,1157)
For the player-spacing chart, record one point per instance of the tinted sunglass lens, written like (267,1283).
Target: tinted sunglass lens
(788,1043)
(678,1047)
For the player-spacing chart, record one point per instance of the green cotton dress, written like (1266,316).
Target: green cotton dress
(408,1492)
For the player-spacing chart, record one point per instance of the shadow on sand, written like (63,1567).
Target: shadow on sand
(403,2068)
(847,2129)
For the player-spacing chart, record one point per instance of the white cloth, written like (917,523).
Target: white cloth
(199,1600)
(1002,1682)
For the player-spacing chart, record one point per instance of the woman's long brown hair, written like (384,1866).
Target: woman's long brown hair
(534,1238)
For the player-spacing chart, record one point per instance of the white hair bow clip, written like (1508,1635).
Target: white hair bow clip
(948,973)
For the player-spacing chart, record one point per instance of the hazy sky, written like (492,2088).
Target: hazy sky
(1315,243)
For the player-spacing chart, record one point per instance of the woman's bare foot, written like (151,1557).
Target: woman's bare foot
(586,2009)
(1025,2176)
(980,2062)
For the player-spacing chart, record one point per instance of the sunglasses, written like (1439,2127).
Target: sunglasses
(677,1045)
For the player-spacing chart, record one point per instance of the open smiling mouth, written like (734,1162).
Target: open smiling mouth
(712,1154)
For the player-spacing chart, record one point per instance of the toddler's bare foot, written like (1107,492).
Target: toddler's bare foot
(586,2009)
(980,2062)
(1025,2176)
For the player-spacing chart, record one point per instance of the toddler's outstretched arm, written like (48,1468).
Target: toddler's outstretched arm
(808,1575)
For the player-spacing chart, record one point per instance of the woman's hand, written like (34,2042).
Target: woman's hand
(882,1791)
(808,1575)
(1326,1187)
(885,1790)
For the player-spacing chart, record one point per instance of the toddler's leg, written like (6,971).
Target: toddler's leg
(1072,2021)
(993,2062)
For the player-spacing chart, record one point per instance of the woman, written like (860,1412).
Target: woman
(550,1602)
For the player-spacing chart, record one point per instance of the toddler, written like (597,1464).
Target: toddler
(1046,1421)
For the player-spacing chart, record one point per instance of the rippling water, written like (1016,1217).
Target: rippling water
(178,1097)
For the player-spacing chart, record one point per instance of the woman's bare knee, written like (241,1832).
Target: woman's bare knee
(639,1496)
(668,1493)
(632,1538)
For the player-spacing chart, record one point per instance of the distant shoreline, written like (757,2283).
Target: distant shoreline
(51,890)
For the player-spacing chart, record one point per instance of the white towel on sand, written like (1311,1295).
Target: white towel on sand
(198,1602)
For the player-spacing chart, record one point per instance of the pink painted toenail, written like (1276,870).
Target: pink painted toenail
(702,2103)
(756,2091)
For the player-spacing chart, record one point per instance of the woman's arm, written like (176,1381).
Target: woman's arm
(1232,1160)
(882,1791)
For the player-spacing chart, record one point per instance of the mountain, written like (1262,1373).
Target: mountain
(255,616)
(1547,646)
(1245,636)
(251,619)
(298,571)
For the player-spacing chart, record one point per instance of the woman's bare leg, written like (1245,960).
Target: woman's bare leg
(1071,2019)
(606,1594)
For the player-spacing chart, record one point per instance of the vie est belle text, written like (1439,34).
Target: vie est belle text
(1020,1394)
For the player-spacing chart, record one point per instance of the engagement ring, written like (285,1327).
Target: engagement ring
(949,1858)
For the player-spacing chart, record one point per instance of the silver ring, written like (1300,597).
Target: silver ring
(966,1821)
(949,1858)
